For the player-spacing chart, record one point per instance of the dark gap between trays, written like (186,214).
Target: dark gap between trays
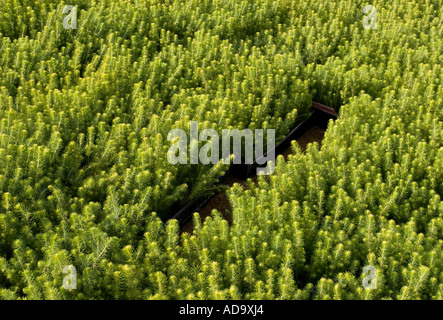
(239,173)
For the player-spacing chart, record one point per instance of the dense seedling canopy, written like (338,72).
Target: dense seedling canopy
(84,176)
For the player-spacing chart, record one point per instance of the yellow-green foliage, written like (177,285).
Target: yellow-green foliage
(84,176)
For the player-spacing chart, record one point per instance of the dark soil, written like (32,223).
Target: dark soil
(220,200)
(314,134)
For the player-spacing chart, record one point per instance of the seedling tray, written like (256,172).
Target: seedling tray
(184,214)
(320,116)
